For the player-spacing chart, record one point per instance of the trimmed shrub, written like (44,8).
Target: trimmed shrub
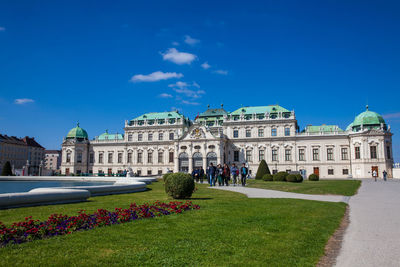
(6,171)
(280,176)
(268,177)
(179,185)
(165,176)
(299,178)
(262,170)
(291,178)
(313,177)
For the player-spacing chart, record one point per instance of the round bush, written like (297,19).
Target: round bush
(280,176)
(267,177)
(299,178)
(179,185)
(313,177)
(291,178)
(165,176)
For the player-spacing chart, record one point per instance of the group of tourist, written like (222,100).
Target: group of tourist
(222,174)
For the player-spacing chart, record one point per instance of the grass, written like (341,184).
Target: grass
(228,230)
(321,187)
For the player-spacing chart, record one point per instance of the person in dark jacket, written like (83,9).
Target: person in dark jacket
(195,175)
(220,176)
(201,174)
(235,174)
(244,171)
(211,172)
(227,174)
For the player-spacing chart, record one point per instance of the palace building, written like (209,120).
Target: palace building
(155,143)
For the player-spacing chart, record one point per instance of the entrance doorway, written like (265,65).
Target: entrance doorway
(316,171)
(183,162)
(197,160)
(212,158)
(375,168)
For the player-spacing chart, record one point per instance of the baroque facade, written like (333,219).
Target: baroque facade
(155,143)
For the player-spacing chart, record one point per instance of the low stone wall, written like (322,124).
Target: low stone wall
(120,180)
(396,173)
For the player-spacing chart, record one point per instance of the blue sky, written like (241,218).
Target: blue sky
(103,62)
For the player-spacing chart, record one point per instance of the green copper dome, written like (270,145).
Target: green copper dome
(368,119)
(78,133)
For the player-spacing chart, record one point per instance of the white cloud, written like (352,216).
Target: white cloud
(184,88)
(392,115)
(190,103)
(191,41)
(205,65)
(177,57)
(222,72)
(2,29)
(165,95)
(156,76)
(175,43)
(21,101)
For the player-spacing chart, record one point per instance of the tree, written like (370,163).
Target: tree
(262,170)
(6,169)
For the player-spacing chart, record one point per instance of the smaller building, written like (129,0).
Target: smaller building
(14,150)
(52,160)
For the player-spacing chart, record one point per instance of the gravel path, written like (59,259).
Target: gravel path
(373,236)
(265,193)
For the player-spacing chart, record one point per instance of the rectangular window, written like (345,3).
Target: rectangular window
(109,172)
(248,156)
(129,137)
(345,154)
(235,133)
(110,157)
(148,172)
(68,157)
(171,157)
(373,152)
(345,171)
(140,157)
(79,157)
(261,155)
(260,132)
(160,136)
(329,153)
(274,155)
(330,171)
(139,172)
(287,131)
(315,153)
(235,155)
(357,152)
(119,157)
(160,157)
(288,154)
(248,133)
(388,154)
(101,158)
(129,157)
(274,171)
(159,172)
(302,154)
(149,157)
(150,137)
(273,132)
(171,136)
(140,137)
(91,158)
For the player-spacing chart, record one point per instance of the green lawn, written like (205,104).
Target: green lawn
(321,187)
(228,230)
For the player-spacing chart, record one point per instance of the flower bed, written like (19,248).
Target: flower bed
(58,224)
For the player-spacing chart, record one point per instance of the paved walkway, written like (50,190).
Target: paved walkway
(373,236)
(265,193)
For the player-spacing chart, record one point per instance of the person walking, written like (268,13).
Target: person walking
(211,171)
(244,171)
(226,174)
(220,175)
(235,173)
(201,174)
(195,175)
(374,174)
(384,175)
